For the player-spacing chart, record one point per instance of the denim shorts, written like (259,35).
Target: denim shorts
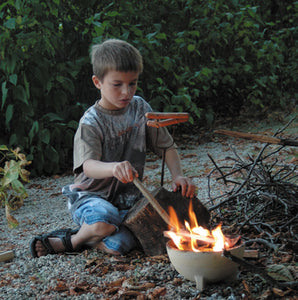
(96,209)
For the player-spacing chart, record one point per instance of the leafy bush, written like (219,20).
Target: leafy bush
(208,58)
(38,72)
(12,174)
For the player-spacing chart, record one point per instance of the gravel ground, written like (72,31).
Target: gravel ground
(92,274)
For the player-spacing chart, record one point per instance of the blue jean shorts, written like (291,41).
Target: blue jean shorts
(96,209)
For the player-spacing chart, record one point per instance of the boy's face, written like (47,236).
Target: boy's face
(117,89)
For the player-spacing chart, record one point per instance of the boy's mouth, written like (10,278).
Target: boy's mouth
(125,101)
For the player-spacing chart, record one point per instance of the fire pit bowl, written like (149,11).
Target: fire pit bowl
(204,267)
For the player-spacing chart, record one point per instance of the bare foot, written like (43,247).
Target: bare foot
(56,243)
(101,246)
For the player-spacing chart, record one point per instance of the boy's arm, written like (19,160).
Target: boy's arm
(97,169)
(179,180)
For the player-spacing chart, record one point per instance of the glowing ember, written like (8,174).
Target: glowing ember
(192,237)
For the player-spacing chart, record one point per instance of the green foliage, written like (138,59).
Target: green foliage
(38,72)
(12,174)
(208,58)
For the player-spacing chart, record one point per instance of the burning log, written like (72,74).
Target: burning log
(147,224)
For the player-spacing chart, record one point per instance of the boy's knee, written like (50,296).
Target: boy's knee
(101,229)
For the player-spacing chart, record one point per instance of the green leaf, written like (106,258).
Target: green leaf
(11,172)
(10,64)
(161,36)
(13,79)
(19,188)
(160,81)
(13,139)
(45,136)
(167,63)
(52,117)
(4,94)
(20,94)
(206,72)
(27,85)
(33,130)
(191,48)
(247,68)
(10,23)
(8,114)
(51,154)
(73,124)
(3,148)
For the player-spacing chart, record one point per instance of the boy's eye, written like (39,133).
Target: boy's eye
(119,84)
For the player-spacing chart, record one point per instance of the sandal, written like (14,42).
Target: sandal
(63,234)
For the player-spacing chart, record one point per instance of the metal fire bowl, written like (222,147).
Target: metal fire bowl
(204,267)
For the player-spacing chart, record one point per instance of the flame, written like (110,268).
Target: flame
(193,237)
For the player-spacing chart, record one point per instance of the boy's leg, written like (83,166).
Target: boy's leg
(98,219)
(88,235)
(120,242)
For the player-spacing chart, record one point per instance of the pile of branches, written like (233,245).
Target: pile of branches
(260,199)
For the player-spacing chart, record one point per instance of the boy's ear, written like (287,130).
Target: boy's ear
(96,82)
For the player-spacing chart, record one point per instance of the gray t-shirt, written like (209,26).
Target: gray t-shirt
(114,136)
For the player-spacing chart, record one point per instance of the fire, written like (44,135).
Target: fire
(192,237)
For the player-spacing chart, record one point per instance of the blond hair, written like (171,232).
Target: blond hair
(114,54)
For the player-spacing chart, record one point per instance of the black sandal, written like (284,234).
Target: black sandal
(63,234)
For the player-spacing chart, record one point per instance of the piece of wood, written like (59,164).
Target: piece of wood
(152,201)
(259,138)
(251,254)
(160,115)
(6,256)
(158,124)
(157,119)
(148,226)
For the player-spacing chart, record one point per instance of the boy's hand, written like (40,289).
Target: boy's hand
(124,171)
(187,186)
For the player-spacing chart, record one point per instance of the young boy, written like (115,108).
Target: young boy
(109,150)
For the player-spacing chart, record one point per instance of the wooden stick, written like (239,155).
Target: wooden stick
(6,256)
(251,254)
(152,201)
(158,124)
(159,115)
(259,138)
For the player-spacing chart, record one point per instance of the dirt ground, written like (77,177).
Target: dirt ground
(93,275)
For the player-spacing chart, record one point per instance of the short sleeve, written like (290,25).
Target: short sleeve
(160,139)
(87,145)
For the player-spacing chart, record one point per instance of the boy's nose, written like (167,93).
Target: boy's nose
(125,90)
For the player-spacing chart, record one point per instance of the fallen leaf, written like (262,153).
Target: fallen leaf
(160,291)
(12,221)
(117,282)
(177,281)
(112,291)
(61,286)
(190,155)
(278,292)
(129,293)
(90,262)
(279,272)
(294,160)
(123,267)
(287,258)
(152,167)
(246,287)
